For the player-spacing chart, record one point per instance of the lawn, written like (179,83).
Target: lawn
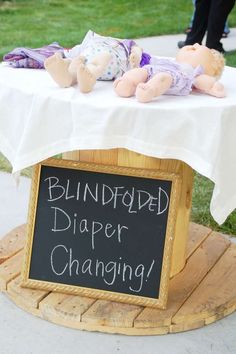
(35,23)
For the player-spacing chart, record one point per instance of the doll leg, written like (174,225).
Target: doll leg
(57,67)
(125,86)
(135,57)
(87,74)
(210,85)
(155,87)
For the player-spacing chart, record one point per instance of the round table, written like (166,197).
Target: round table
(175,134)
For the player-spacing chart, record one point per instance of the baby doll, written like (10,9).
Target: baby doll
(96,58)
(195,66)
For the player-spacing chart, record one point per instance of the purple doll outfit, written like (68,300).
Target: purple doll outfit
(183,75)
(128,44)
(31,58)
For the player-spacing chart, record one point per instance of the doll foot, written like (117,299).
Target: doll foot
(144,93)
(217,90)
(75,63)
(86,80)
(57,67)
(124,87)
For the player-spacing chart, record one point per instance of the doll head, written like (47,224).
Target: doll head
(211,60)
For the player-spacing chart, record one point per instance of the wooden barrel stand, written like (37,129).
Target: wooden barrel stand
(205,291)
(203,271)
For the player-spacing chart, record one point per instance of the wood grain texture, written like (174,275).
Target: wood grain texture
(204,292)
(10,269)
(197,234)
(12,242)
(215,294)
(184,283)
(108,313)
(67,307)
(29,297)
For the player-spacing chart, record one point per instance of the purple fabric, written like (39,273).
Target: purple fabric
(31,58)
(182,75)
(128,44)
(145,59)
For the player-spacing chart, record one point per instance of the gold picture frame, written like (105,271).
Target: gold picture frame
(161,300)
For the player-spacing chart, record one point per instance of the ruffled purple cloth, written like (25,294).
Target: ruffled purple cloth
(31,58)
(128,44)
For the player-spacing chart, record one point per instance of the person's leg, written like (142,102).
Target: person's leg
(202,8)
(218,14)
(199,25)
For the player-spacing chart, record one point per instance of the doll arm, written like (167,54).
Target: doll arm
(135,56)
(210,85)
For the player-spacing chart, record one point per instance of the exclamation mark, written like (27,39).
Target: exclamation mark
(150,269)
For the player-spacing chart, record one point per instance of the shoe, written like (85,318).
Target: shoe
(181,44)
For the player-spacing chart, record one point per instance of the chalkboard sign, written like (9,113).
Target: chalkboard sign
(101,231)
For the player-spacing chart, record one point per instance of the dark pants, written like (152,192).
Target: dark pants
(210,16)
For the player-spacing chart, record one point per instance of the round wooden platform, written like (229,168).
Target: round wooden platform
(205,291)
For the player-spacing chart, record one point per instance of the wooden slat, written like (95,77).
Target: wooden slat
(197,234)
(215,294)
(108,313)
(29,298)
(107,157)
(71,155)
(186,326)
(184,283)
(10,269)
(67,308)
(205,291)
(56,307)
(12,243)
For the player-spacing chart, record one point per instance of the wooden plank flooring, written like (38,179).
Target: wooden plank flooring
(203,292)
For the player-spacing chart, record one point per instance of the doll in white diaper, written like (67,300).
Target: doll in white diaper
(96,58)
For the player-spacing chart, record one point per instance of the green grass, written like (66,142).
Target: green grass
(35,23)
(67,21)
(202,192)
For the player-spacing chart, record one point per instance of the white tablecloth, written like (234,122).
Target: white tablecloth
(39,119)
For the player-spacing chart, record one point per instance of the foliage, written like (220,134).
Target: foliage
(33,24)
(202,193)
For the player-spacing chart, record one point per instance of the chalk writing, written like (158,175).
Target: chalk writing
(116,196)
(62,221)
(100,231)
(107,271)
